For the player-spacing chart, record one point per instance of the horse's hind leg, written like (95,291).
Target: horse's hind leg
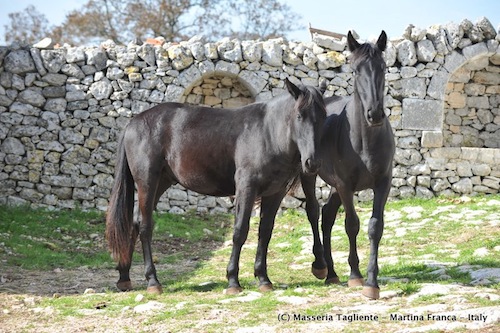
(329,213)
(319,267)
(147,201)
(268,209)
(124,283)
(163,184)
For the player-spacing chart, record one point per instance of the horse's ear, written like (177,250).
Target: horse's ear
(322,87)
(382,41)
(352,43)
(292,89)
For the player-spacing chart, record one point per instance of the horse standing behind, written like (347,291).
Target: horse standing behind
(357,150)
(256,151)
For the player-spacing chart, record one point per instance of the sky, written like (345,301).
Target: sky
(367,17)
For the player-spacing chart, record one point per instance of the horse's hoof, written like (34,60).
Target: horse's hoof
(124,285)
(333,280)
(319,273)
(155,290)
(371,292)
(233,290)
(355,282)
(267,287)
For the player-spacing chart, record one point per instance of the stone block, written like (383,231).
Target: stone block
(419,114)
(481,169)
(446,153)
(426,51)
(413,87)
(272,53)
(486,78)
(436,88)
(456,100)
(406,53)
(432,139)
(454,61)
(19,62)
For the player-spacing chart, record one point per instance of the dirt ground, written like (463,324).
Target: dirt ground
(22,306)
(21,292)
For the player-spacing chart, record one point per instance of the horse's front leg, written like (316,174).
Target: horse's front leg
(352,229)
(268,209)
(245,199)
(375,231)
(328,216)
(319,267)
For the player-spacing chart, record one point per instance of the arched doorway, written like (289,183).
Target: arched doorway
(472,104)
(219,91)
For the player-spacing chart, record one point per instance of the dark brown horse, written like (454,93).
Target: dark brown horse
(256,151)
(357,150)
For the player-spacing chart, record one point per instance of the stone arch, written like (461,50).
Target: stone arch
(472,101)
(432,121)
(195,74)
(218,91)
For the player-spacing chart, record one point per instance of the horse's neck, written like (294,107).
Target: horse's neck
(278,131)
(360,133)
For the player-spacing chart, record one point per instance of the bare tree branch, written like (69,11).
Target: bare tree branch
(175,20)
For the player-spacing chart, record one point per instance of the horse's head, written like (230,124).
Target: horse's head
(369,71)
(308,117)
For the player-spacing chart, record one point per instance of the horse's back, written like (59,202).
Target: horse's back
(167,121)
(191,145)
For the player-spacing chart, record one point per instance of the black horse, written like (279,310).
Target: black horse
(357,150)
(256,151)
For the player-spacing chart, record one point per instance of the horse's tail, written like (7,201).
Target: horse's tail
(119,217)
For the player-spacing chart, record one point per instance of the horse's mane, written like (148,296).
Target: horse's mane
(312,96)
(364,51)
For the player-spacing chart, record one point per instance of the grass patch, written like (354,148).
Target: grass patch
(420,238)
(192,226)
(41,239)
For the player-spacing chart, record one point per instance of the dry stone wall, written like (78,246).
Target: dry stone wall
(62,109)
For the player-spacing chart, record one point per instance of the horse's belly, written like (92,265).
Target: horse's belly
(208,186)
(276,181)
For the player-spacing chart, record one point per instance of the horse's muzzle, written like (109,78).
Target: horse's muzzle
(312,165)
(375,118)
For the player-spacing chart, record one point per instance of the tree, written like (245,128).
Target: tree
(29,26)
(263,19)
(175,20)
(95,21)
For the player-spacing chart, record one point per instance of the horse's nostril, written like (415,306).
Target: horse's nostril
(312,165)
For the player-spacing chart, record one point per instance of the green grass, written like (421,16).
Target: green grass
(192,226)
(443,241)
(40,239)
